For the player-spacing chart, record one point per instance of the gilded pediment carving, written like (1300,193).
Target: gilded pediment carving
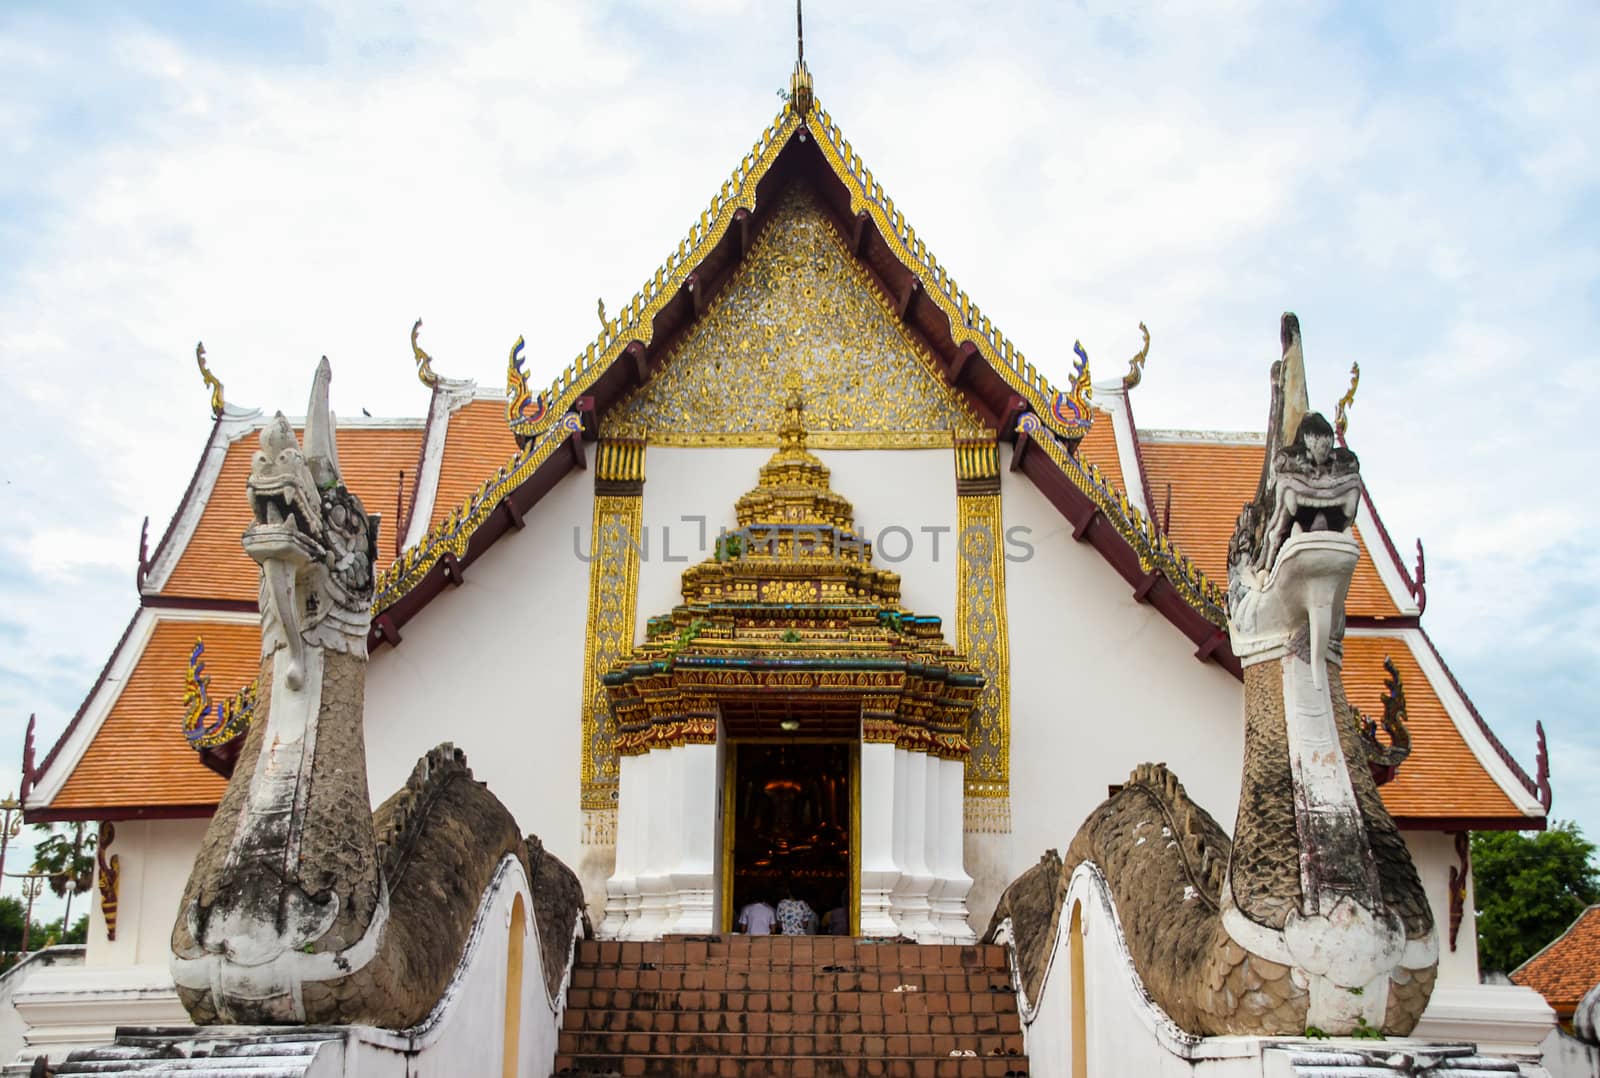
(799,305)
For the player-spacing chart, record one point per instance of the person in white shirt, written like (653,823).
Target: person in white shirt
(757,919)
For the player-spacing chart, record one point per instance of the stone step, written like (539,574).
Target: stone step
(791,1007)
(652,1066)
(763,1044)
(964,1021)
(766,952)
(256,1052)
(1002,1000)
(677,979)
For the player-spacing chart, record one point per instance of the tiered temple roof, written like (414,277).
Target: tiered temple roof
(467,474)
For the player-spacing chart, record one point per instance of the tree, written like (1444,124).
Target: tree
(1529,888)
(68,858)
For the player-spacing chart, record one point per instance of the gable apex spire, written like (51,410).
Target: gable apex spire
(800,94)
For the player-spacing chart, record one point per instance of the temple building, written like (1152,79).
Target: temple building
(800,576)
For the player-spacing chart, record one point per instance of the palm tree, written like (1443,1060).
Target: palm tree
(67,858)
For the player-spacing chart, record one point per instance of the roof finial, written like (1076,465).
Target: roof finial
(424,360)
(210,379)
(800,82)
(1136,364)
(1341,420)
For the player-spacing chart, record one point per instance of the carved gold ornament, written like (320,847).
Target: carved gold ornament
(613,599)
(981,636)
(1341,418)
(424,360)
(1136,364)
(210,379)
(799,306)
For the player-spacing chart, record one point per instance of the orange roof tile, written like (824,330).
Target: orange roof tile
(1099,447)
(1442,778)
(1567,968)
(215,566)
(1211,482)
(139,756)
(476,442)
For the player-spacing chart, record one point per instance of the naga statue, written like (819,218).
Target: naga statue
(1312,917)
(303,905)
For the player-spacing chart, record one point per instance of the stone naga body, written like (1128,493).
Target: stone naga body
(303,905)
(1312,917)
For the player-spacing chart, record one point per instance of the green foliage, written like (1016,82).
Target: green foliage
(41,935)
(790,636)
(1529,887)
(730,545)
(79,932)
(66,855)
(11,912)
(1364,1032)
(1316,1033)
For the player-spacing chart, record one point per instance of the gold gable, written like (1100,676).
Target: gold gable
(799,305)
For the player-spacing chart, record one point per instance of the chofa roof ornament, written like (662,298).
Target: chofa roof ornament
(217,403)
(425,370)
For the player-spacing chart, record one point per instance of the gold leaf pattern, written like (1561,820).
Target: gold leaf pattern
(799,305)
(981,636)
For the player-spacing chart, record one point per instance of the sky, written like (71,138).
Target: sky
(284,180)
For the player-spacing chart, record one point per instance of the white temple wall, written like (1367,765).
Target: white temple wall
(911,489)
(496,667)
(1434,853)
(1099,683)
(154,858)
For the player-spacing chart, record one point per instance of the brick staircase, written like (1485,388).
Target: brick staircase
(790,1007)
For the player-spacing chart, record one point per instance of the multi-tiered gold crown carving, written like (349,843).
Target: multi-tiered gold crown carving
(796,541)
(791,607)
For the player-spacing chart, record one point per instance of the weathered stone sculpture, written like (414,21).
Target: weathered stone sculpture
(1312,916)
(303,906)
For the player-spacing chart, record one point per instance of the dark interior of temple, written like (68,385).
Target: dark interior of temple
(791,826)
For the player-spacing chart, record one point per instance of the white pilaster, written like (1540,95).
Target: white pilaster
(879,873)
(622,889)
(661,847)
(909,901)
(945,826)
(694,805)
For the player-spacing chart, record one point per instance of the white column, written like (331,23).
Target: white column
(622,889)
(946,823)
(879,872)
(694,805)
(661,848)
(909,902)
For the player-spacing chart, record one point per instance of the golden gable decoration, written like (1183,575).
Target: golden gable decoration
(799,305)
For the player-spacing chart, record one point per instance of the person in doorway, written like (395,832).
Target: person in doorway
(836,922)
(795,915)
(756,918)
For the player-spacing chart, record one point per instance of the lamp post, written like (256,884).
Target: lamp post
(10,827)
(32,887)
(71,884)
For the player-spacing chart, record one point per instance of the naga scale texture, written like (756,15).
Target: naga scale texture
(303,905)
(1312,916)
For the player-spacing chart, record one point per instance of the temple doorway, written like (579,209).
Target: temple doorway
(790,823)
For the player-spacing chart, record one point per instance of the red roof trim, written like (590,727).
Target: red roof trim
(1138,457)
(1470,823)
(122,812)
(1074,505)
(1505,754)
(496,524)
(29,779)
(188,493)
